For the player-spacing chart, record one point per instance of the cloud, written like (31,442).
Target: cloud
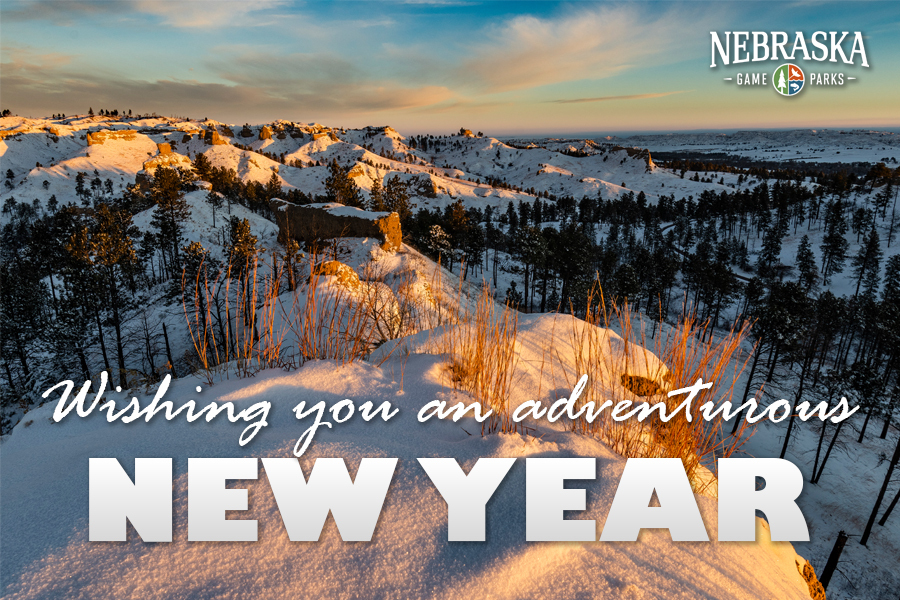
(608,98)
(61,12)
(528,51)
(324,81)
(316,86)
(26,60)
(182,14)
(204,13)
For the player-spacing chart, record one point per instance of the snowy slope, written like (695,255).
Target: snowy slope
(45,483)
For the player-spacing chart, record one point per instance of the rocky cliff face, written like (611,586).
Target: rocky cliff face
(98,137)
(167,159)
(213,138)
(315,222)
(637,153)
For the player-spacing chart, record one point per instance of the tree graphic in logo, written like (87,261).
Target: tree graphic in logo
(788,79)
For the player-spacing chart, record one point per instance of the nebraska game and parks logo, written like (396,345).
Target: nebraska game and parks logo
(829,48)
(788,79)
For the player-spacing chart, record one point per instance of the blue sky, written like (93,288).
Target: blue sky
(499,67)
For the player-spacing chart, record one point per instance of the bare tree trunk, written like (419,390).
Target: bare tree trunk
(102,341)
(169,350)
(888,415)
(120,350)
(804,370)
(737,418)
(819,447)
(890,508)
(862,433)
(834,438)
(833,559)
(881,492)
(9,377)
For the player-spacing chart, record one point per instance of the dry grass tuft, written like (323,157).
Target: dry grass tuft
(482,359)
(686,352)
(240,320)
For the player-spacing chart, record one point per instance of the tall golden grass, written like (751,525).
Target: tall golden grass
(483,358)
(241,319)
(686,352)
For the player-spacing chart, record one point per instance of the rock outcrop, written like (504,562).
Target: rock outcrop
(167,159)
(423,184)
(345,275)
(98,137)
(164,148)
(212,137)
(265,133)
(313,222)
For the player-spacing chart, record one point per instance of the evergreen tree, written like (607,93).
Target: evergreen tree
(867,261)
(171,212)
(215,201)
(770,255)
(376,197)
(273,187)
(242,244)
(202,166)
(108,247)
(396,199)
(806,265)
(438,242)
(891,291)
(341,188)
(834,243)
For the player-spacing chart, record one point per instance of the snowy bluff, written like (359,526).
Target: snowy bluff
(356,503)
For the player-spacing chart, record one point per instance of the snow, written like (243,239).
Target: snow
(802,145)
(45,485)
(339,210)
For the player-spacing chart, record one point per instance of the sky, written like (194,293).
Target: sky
(503,68)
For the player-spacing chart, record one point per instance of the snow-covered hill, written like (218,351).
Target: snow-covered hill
(452,167)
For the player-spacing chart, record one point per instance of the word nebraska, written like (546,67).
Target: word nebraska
(356,505)
(767,46)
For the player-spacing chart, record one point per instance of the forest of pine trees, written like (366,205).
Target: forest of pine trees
(75,278)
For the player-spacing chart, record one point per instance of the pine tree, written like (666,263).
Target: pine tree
(438,242)
(341,188)
(396,199)
(891,291)
(273,187)
(171,211)
(770,255)
(216,201)
(107,246)
(202,166)
(806,265)
(867,261)
(884,197)
(376,197)
(834,243)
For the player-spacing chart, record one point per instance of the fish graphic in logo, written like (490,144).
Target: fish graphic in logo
(788,79)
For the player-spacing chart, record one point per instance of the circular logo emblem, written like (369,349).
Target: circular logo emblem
(788,79)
